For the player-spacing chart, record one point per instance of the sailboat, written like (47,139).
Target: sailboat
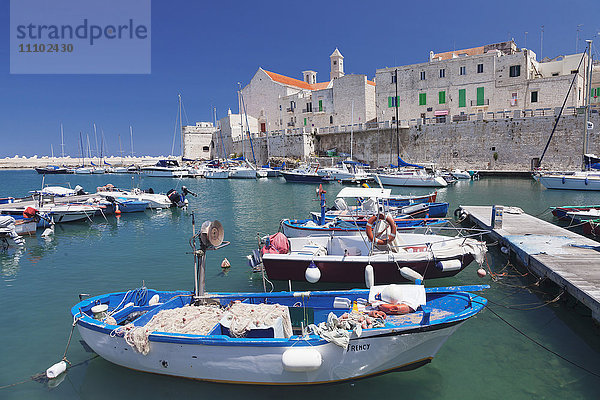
(169,168)
(589,177)
(54,169)
(83,170)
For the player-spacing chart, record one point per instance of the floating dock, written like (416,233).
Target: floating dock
(568,259)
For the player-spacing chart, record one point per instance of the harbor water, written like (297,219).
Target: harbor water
(485,359)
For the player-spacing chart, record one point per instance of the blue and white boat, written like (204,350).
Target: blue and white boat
(277,351)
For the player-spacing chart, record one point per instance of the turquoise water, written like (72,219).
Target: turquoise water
(484,359)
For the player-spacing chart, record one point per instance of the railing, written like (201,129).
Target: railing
(474,103)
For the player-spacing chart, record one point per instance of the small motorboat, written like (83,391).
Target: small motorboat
(281,338)
(576,213)
(52,169)
(344,258)
(9,236)
(155,200)
(306,174)
(49,213)
(460,174)
(339,227)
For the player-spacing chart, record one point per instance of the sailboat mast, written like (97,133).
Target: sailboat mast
(181,128)
(121,149)
(131,136)
(81,148)
(62,142)
(52,151)
(96,140)
(248,126)
(351,129)
(397,122)
(588,93)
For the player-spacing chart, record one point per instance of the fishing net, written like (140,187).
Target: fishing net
(243,317)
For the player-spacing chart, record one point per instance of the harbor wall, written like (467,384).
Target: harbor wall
(500,144)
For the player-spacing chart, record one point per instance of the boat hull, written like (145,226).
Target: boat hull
(570,182)
(242,173)
(296,228)
(351,269)
(292,177)
(158,172)
(222,362)
(219,174)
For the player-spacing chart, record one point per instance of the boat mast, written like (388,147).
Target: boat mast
(351,129)
(52,152)
(181,128)
(96,140)
(397,122)
(62,142)
(81,148)
(588,83)
(121,149)
(131,136)
(247,126)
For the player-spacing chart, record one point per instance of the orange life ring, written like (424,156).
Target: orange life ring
(390,221)
(394,309)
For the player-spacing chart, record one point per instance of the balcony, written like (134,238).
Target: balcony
(290,109)
(291,124)
(486,102)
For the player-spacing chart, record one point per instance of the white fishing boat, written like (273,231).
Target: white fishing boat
(155,200)
(346,170)
(282,338)
(411,177)
(242,172)
(53,213)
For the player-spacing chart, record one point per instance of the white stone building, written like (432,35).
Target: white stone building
(495,78)
(231,129)
(198,141)
(281,103)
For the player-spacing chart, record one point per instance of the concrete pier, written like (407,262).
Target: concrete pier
(568,259)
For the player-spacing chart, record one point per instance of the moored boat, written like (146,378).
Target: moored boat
(291,338)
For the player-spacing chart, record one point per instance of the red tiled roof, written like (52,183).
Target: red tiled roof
(286,80)
(449,54)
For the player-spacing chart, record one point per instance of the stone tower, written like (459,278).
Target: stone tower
(337,64)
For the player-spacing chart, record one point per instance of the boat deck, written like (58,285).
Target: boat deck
(48,199)
(570,260)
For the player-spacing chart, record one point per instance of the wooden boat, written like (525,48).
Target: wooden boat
(576,213)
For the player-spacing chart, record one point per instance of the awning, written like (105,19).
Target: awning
(440,112)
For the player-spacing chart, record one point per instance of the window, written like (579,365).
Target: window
(442,73)
(574,71)
(479,68)
(308,107)
(331,119)
(393,101)
(462,97)
(462,71)
(422,99)
(555,74)
(480,96)
(513,99)
(320,105)
(263,126)
(534,97)
(205,148)
(442,97)
(422,75)
(394,78)
(515,70)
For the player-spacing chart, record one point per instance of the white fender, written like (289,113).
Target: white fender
(301,359)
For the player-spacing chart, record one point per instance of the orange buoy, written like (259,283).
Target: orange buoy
(117,211)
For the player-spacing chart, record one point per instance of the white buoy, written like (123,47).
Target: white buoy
(312,273)
(56,370)
(154,300)
(369,276)
(411,275)
(481,272)
(99,311)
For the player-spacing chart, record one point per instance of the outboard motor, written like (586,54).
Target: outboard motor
(79,190)
(186,191)
(176,198)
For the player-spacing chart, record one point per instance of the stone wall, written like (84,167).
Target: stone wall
(472,144)
(502,144)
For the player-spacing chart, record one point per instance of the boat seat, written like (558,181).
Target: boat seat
(348,246)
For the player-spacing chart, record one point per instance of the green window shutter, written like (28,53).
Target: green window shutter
(480,96)
(442,97)
(422,99)
(320,105)
(390,101)
(462,97)
(304,121)
(397,101)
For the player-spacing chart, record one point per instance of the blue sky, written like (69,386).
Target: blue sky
(202,49)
